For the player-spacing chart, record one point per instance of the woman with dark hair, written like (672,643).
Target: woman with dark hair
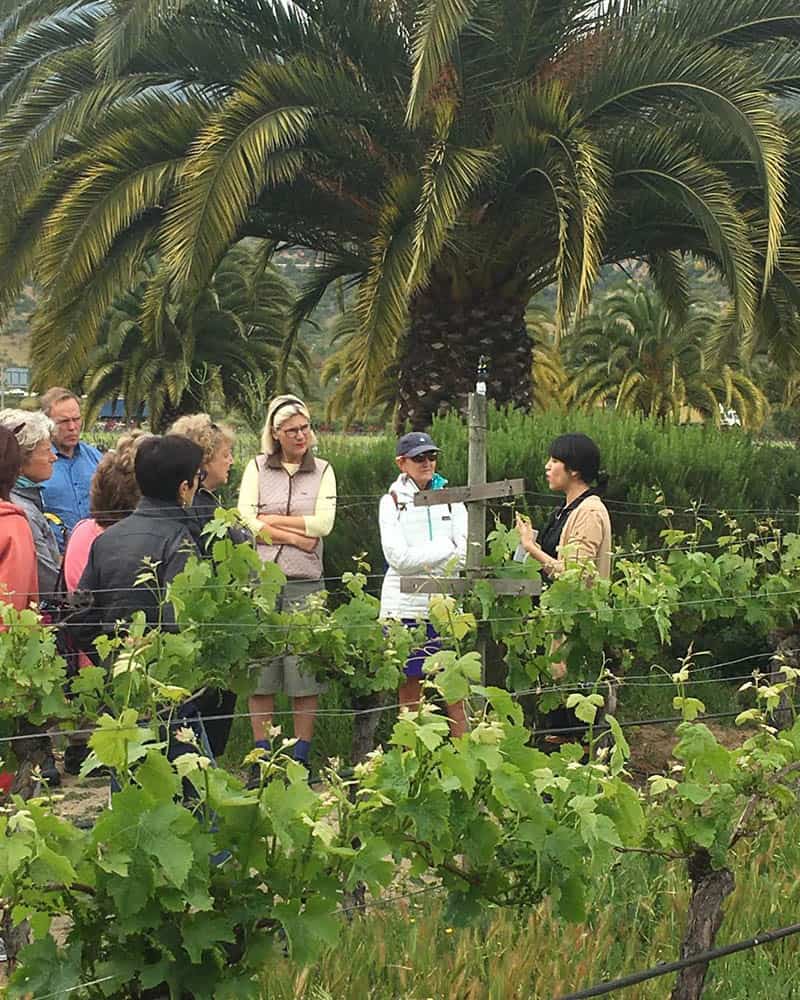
(19,584)
(168,473)
(580,529)
(113,495)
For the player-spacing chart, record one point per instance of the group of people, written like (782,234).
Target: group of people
(73,519)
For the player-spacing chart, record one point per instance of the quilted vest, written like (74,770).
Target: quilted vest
(280,493)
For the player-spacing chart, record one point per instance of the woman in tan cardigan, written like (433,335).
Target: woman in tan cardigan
(579,531)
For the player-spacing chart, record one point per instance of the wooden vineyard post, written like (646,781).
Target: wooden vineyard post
(476,476)
(474,495)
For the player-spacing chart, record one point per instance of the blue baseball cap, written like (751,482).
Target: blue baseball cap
(415,443)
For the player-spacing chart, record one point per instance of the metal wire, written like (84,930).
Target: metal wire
(666,968)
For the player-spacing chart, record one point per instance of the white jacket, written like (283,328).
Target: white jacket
(417,541)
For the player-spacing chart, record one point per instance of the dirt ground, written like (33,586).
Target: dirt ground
(651,747)
(81,802)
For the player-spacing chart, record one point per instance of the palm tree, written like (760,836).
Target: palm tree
(337,373)
(549,379)
(448,159)
(222,354)
(632,352)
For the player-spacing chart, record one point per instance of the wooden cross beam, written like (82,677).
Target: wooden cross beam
(470,494)
(476,493)
(531,586)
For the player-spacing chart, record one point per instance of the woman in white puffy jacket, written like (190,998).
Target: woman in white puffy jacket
(419,541)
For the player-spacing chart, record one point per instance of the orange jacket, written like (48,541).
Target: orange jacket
(19,584)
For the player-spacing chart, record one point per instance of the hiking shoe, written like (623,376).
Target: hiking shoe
(50,772)
(74,756)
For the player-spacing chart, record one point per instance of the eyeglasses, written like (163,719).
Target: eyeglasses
(426,456)
(300,431)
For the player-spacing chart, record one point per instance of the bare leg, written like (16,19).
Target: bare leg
(458,719)
(410,693)
(305,711)
(261,708)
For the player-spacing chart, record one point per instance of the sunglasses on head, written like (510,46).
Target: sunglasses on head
(426,456)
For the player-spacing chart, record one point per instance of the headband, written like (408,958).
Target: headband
(284,404)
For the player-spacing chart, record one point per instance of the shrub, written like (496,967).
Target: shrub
(719,468)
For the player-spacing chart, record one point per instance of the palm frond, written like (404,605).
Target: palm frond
(382,300)
(248,146)
(128,27)
(451,176)
(672,282)
(439,23)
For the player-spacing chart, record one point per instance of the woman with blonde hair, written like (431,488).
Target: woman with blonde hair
(288,500)
(217,441)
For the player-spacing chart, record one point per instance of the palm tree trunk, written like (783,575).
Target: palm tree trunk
(169,413)
(439,359)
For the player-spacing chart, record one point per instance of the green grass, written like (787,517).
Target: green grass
(410,950)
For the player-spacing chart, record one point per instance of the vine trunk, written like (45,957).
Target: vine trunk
(710,888)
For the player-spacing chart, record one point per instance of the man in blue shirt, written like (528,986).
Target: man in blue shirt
(66,493)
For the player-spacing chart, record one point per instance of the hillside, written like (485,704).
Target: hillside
(14,332)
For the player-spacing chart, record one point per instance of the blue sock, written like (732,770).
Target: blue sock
(262,745)
(301,750)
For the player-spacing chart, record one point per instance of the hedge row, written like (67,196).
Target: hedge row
(722,469)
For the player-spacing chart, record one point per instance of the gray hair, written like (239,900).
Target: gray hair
(56,395)
(29,428)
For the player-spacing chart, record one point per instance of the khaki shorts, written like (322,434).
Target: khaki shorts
(283,673)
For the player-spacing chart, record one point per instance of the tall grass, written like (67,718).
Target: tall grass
(410,950)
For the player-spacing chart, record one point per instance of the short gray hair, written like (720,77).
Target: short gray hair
(56,395)
(30,428)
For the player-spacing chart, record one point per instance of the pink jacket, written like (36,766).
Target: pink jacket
(19,583)
(75,559)
(77,554)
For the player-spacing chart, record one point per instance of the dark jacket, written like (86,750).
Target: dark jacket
(202,511)
(155,530)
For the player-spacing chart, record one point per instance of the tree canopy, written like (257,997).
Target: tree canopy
(223,352)
(446,159)
(632,353)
